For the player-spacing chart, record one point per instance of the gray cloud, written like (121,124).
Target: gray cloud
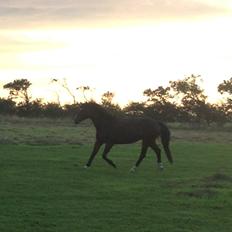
(32,12)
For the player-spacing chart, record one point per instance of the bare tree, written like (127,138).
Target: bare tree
(63,83)
(84,90)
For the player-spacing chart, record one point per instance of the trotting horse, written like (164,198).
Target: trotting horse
(112,130)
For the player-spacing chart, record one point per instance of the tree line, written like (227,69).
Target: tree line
(181,101)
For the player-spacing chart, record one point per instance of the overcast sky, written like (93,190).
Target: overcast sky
(103,43)
(15,13)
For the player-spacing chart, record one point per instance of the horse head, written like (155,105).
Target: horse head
(85,111)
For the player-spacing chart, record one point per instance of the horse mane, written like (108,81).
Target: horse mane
(98,109)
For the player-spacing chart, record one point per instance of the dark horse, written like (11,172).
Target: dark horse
(112,130)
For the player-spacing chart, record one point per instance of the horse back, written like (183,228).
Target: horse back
(129,130)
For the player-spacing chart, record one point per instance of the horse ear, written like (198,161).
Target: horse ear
(80,107)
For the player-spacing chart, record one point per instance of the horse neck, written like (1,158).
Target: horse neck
(101,119)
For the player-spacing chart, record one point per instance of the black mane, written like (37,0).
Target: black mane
(97,109)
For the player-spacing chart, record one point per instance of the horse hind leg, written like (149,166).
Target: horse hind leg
(157,150)
(106,152)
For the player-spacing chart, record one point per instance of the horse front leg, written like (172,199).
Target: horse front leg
(106,152)
(141,157)
(96,148)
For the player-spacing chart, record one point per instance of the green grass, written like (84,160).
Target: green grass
(16,130)
(45,189)
(45,131)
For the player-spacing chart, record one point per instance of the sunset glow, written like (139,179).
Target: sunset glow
(117,51)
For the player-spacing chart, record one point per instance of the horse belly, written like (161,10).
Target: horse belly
(126,136)
(127,140)
(132,131)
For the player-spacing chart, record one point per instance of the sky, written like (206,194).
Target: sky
(120,46)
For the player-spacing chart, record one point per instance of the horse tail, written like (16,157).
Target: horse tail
(165,139)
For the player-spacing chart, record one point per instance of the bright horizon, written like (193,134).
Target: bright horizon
(124,47)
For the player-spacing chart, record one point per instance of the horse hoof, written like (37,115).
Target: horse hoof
(133,169)
(86,167)
(161,166)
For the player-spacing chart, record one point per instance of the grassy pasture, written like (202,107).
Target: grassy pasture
(45,188)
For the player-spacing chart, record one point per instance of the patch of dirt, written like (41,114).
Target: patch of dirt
(7,141)
(206,189)
(199,193)
(218,177)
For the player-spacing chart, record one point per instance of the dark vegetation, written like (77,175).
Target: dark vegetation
(181,101)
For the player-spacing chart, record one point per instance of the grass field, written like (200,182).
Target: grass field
(43,186)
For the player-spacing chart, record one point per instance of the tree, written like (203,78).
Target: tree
(19,90)
(225,88)
(53,110)
(107,102)
(33,109)
(159,104)
(107,98)
(160,95)
(134,108)
(191,97)
(216,113)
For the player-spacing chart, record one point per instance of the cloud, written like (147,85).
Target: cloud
(31,12)
(16,42)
